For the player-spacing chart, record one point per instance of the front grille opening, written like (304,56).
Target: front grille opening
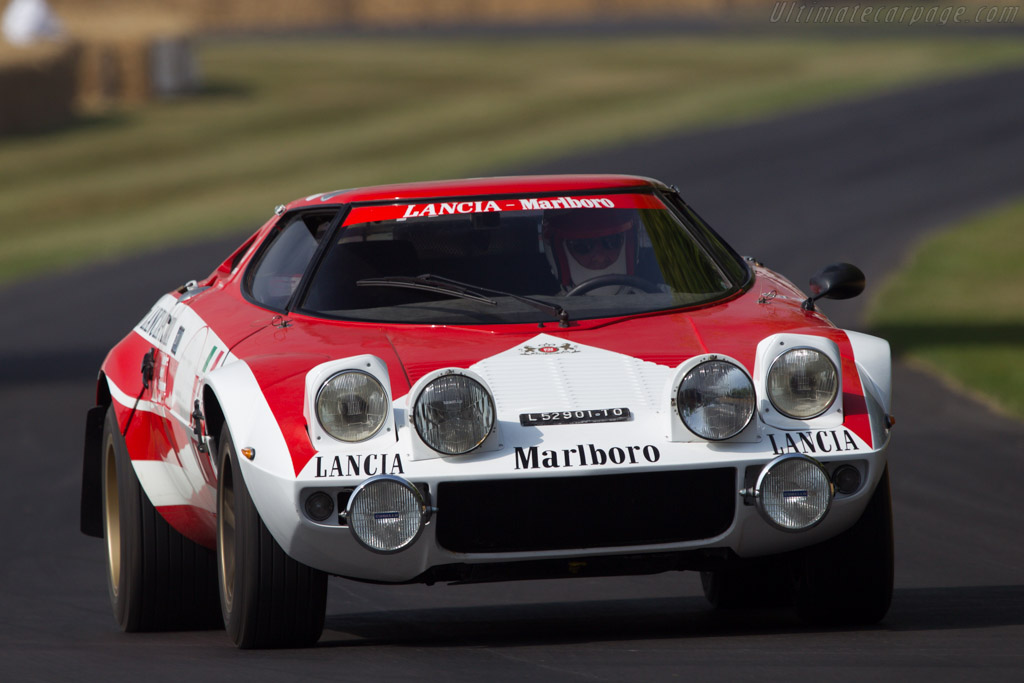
(517,515)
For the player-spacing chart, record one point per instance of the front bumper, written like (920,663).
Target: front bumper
(519,509)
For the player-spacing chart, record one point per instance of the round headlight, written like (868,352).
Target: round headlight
(352,406)
(794,492)
(802,383)
(386,514)
(454,414)
(716,400)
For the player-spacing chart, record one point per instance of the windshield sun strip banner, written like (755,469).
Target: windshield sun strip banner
(400,212)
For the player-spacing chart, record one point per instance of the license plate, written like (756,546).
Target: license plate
(574,417)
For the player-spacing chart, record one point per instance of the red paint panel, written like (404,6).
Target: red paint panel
(855,407)
(195,523)
(474,187)
(229,315)
(147,437)
(123,365)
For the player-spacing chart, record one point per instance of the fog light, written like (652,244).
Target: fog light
(847,479)
(386,513)
(794,492)
(319,506)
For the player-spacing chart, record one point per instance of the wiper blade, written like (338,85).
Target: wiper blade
(424,284)
(553,309)
(463,290)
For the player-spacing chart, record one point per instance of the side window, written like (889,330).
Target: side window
(240,254)
(281,265)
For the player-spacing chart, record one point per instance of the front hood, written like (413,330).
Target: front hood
(665,339)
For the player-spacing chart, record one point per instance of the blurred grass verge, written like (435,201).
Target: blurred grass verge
(957,307)
(285,118)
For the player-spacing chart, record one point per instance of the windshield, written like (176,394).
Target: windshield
(591,256)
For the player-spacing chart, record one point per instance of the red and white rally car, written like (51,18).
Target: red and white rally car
(482,380)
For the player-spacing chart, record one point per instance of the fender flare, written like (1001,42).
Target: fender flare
(270,475)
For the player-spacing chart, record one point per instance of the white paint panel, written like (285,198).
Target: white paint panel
(874,361)
(168,484)
(573,377)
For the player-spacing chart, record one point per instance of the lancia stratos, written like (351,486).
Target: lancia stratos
(486,380)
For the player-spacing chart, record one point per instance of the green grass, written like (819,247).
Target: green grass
(958,306)
(282,119)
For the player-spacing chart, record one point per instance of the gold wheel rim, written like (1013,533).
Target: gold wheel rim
(226,533)
(112,515)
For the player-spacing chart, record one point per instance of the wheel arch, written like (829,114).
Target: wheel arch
(232,397)
(213,414)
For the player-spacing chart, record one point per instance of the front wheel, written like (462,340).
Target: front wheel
(847,580)
(267,598)
(157,579)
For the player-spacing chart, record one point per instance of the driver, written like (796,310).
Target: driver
(582,244)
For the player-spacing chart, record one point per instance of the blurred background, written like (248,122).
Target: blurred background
(141,140)
(132,125)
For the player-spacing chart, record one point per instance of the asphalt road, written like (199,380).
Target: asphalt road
(858,182)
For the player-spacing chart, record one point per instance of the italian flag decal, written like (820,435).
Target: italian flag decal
(207,365)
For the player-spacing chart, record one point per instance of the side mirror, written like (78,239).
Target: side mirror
(835,281)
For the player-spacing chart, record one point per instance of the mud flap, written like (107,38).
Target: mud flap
(92,475)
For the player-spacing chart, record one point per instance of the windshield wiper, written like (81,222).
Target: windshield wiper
(425,284)
(464,290)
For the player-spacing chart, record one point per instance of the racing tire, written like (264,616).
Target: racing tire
(760,583)
(157,579)
(847,580)
(267,599)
